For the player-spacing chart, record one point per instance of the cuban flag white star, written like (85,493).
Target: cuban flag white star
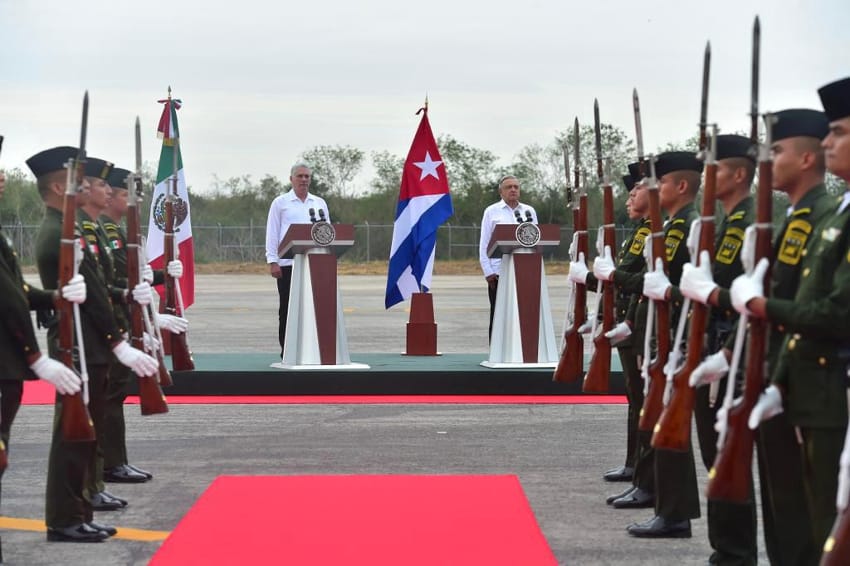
(428,167)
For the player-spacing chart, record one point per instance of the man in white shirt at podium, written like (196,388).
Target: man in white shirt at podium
(507,211)
(298,206)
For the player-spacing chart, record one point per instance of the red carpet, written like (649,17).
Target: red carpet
(374,520)
(42,393)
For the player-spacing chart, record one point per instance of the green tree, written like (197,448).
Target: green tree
(334,168)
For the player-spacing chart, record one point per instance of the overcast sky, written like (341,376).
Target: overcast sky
(262,81)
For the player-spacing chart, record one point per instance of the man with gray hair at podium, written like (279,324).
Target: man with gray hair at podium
(507,211)
(298,206)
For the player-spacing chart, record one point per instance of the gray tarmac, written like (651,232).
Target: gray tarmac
(559,452)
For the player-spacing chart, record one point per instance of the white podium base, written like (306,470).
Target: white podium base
(517,365)
(348,366)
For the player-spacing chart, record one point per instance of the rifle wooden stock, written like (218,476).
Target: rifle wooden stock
(836,549)
(151,399)
(77,424)
(729,479)
(653,402)
(599,371)
(673,431)
(570,366)
(176,344)
(4,456)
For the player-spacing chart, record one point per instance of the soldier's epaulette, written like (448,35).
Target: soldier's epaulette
(88,225)
(801,211)
(110,226)
(678,221)
(738,215)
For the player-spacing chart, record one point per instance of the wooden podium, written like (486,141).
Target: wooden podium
(315,329)
(523,333)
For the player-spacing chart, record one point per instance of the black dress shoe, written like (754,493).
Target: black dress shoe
(110,531)
(623,473)
(140,471)
(76,533)
(105,501)
(659,527)
(636,499)
(612,498)
(123,474)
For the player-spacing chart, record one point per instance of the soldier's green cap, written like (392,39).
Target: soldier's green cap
(98,168)
(732,145)
(118,178)
(671,161)
(50,160)
(835,98)
(634,171)
(799,122)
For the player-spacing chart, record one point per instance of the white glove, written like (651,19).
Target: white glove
(578,270)
(618,333)
(748,286)
(672,365)
(768,406)
(171,323)
(844,476)
(711,369)
(655,283)
(722,418)
(142,364)
(603,266)
(175,268)
(587,326)
(748,249)
(697,283)
(150,343)
(64,379)
(574,245)
(147,273)
(75,290)
(143,294)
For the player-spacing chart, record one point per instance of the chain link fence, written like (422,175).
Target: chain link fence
(246,244)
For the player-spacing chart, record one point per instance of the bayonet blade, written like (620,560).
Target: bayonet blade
(81,151)
(576,154)
(138,146)
(597,138)
(703,110)
(754,89)
(638,131)
(1,143)
(566,151)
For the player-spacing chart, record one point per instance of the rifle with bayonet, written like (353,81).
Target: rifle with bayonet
(571,363)
(176,344)
(673,431)
(730,477)
(77,424)
(596,380)
(151,399)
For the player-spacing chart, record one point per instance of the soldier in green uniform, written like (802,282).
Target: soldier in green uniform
(676,497)
(20,357)
(69,512)
(628,278)
(798,171)
(731,527)
(809,383)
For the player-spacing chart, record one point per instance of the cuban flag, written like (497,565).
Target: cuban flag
(424,203)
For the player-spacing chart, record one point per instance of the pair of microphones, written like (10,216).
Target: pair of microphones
(313,219)
(519,216)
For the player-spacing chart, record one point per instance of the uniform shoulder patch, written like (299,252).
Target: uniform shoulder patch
(794,241)
(672,241)
(802,211)
(88,225)
(740,215)
(730,245)
(639,241)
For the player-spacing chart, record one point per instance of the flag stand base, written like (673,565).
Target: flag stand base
(421,329)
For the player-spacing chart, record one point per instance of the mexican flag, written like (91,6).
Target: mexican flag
(170,159)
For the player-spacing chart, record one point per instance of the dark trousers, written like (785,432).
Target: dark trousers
(644,477)
(820,454)
(634,394)
(732,530)
(788,536)
(11,391)
(676,496)
(491,292)
(283,285)
(113,437)
(71,465)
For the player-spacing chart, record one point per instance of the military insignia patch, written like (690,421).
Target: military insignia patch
(639,240)
(794,242)
(729,247)
(672,241)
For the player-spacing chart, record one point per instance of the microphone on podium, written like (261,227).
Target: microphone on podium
(528,216)
(322,214)
(312,212)
(518,216)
